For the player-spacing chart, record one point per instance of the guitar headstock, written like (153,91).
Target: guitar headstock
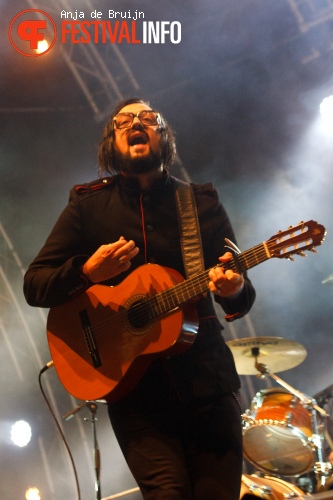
(296,239)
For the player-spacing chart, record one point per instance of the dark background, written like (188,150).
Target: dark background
(242,91)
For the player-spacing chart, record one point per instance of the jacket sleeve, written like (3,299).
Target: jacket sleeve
(236,307)
(54,276)
(215,227)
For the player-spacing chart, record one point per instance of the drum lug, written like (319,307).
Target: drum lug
(262,491)
(324,468)
(316,439)
(288,418)
(323,471)
(247,419)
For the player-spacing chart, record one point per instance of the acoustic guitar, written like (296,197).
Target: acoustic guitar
(103,340)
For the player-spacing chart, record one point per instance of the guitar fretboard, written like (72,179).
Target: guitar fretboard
(295,240)
(170,299)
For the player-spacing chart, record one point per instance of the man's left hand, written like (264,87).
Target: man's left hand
(225,283)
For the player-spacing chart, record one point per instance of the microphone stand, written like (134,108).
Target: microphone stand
(92,407)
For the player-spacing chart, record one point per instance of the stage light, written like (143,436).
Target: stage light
(32,494)
(42,46)
(20,433)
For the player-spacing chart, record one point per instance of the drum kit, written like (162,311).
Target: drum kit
(284,430)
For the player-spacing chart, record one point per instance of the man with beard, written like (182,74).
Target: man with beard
(179,426)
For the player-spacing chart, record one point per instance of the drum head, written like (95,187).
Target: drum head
(277,450)
(277,438)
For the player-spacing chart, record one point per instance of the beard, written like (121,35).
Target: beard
(138,165)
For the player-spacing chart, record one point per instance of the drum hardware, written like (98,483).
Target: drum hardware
(261,491)
(268,488)
(277,348)
(272,443)
(325,400)
(305,400)
(289,418)
(323,472)
(281,433)
(278,353)
(317,437)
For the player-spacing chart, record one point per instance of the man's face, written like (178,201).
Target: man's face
(137,142)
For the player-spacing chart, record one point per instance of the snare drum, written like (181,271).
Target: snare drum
(277,434)
(269,488)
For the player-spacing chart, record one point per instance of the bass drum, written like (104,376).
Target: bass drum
(277,434)
(269,488)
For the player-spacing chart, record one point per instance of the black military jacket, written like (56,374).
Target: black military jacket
(99,213)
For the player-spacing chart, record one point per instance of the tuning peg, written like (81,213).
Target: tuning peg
(301,254)
(313,250)
(291,258)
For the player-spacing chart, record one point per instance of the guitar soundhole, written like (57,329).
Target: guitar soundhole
(138,314)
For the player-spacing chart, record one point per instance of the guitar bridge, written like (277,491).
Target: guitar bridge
(89,338)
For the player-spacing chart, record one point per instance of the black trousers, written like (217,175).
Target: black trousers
(178,451)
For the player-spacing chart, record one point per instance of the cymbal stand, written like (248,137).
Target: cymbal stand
(322,469)
(92,407)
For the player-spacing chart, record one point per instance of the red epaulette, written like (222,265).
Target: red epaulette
(94,185)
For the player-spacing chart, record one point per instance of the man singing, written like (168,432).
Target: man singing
(179,427)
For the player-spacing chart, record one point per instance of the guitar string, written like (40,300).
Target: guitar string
(181,291)
(166,296)
(185,290)
(189,286)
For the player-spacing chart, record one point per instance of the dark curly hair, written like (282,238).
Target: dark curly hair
(106,147)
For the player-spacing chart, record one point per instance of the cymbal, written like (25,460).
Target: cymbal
(277,353)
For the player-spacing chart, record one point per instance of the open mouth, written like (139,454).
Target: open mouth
(137,138)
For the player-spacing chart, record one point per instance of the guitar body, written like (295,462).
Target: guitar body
(102,341)
(100,349)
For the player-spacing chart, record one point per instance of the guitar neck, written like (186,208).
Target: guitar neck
(191,288)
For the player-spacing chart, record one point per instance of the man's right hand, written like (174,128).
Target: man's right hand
(110,260)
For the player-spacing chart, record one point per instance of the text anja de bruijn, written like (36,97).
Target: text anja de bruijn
(76,30)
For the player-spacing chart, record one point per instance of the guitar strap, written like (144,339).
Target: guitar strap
(190,236)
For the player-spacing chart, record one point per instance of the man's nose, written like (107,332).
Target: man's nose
(136,122)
